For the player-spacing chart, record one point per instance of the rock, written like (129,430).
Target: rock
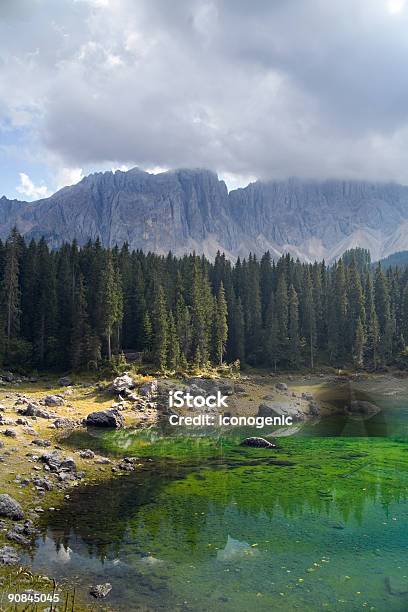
(10,508)
(21,421)
(63,423)
(307,396)
(314,408)
(53,400)
(281,386)
(9,556)
(396,586)
(258,443)
(149,389)
(360,407)
(87,454)
(105,418)
(65,381)
(123,383)
(57,463)
(10,433)
(99,591)
(43,483)
(280,409)
(32,410)
(39,442)
(19,538)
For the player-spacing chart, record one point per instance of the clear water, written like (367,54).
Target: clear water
(206,524)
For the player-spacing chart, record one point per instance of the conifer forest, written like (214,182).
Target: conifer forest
(76,308)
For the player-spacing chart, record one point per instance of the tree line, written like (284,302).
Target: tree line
(76,307)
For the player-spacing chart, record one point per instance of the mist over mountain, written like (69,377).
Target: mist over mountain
(186,210)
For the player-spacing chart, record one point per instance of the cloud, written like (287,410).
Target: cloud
(251,89)
(29,190)
(69,176)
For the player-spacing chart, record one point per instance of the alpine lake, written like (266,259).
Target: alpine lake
(205,524)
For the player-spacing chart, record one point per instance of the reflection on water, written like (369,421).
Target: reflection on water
(319,523)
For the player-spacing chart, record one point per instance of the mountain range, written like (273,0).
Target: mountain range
(191,209)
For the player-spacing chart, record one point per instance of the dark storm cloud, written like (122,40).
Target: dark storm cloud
(271,89)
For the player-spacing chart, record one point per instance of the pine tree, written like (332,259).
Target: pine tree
(112,307)
(11,288)
(236,339)
(80,333)
(174,353)
(160,328)
(294,339)
(220,325)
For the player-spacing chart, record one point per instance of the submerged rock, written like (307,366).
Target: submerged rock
(105,418)
(360,407)
(235,550)
(99,591)
(258,443)
(10,508)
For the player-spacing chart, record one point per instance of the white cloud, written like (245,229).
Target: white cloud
(69,176)
(396,6)
(266,89)
(29,190)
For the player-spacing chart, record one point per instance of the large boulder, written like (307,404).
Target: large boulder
(10,508)
(281,386)
(105,418)
(122,383)
(257,443)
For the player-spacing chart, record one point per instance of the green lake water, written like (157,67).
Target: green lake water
(206,524)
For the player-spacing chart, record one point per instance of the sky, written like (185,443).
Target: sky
(253,89)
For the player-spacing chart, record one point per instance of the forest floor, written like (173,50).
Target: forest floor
(38,483)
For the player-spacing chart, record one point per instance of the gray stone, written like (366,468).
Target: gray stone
(39,442)
(58,463)
(10,508)
(9,556)
(257,443)
(149,389)
(105,418)
(64,423)
(53,400)
(99,591)
(122,383)
(281,386)
(87,454)
(65,381)
(280,409)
